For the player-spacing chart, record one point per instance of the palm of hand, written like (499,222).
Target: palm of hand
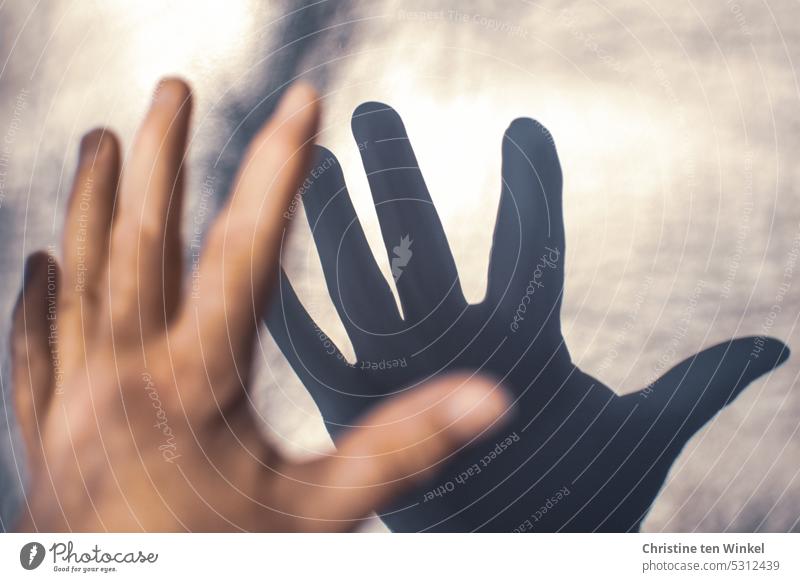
(575,457)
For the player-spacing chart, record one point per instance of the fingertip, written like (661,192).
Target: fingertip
(369,107)
(479,404)
(378,118)
(778,349)
(784,354)
(38,288)
(526,124)
(34,266)
(303,91)
(321,153)
(99,144)
(35,276)
(293,124)
(768,351)
(172,91)
(528,135)
(299,103)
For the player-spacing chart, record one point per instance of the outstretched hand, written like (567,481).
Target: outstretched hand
(132,394)
(577,457)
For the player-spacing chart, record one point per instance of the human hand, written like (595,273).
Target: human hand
(577,457)
(131,393)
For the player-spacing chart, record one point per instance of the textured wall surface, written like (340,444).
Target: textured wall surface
(677,126)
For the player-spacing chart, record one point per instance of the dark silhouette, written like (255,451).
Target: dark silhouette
(575,456)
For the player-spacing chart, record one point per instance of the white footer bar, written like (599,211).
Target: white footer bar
(406,558)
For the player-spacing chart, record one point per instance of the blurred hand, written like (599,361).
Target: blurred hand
(577,457)
(132,393)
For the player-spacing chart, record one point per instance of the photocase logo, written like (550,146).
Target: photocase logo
(31,555)
(402,254)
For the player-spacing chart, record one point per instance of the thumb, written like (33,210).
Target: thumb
(396,446)
(31,358)
(691,393)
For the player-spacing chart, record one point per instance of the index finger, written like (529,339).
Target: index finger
(238,263)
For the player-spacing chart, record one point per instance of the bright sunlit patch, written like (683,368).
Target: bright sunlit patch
(182,36)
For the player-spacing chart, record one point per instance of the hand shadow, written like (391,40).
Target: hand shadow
(575,456)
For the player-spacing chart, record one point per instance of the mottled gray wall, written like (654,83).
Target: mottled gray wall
(677,125)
